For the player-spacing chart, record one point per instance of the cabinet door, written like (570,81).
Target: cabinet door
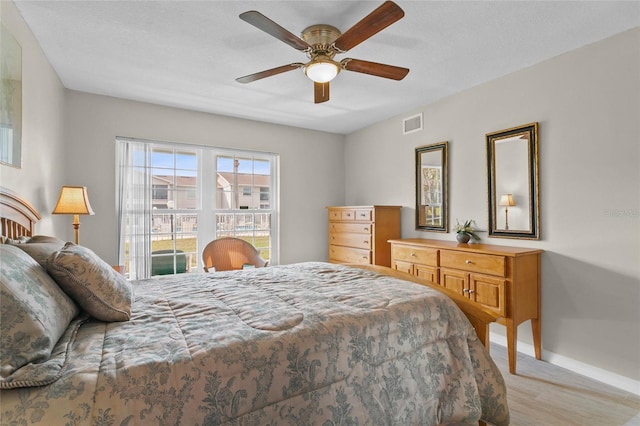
(426,273)
(403,266)
(455,281)
(489,292)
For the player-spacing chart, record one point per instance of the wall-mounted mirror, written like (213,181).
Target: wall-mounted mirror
(512,163)
(432,178)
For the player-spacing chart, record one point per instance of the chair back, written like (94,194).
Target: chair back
(228,253)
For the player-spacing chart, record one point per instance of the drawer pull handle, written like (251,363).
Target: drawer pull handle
(465,290)
(366,228)
(468,262)
(366,242)
(413,255)
(471,291)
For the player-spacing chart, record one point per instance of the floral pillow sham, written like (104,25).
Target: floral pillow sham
(35,314)
(94,285)
(40,247)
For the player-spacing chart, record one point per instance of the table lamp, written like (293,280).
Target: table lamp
(507,201)
(74,200)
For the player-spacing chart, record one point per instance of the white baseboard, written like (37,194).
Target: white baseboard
(595,373)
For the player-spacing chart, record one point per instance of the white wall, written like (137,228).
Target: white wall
(39,178)
(587,103)
(311,165)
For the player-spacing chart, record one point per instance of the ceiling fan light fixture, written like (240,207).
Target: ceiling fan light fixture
(322,71)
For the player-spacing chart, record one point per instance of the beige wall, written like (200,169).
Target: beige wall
(588,105)
(40,177)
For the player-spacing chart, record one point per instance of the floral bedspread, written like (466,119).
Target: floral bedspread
(304,344)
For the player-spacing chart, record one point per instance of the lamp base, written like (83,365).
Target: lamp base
(76,228)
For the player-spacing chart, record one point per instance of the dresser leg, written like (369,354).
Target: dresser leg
(512,340)
(536,330)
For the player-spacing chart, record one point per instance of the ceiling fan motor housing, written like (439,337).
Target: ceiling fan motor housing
(321,38)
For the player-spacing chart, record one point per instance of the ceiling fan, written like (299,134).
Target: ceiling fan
(322,42)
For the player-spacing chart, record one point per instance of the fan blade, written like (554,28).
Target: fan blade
(268,73)
(320,92)
(385,15)
(374,68)
(265,24)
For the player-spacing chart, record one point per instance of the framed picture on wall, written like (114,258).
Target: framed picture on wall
(10,99)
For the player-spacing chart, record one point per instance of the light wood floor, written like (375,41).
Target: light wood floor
(542,394)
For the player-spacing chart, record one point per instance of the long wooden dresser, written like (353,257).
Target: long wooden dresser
(502,279)
(360,234)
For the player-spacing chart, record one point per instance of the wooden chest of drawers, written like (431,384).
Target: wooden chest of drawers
(501,279)
(360,234)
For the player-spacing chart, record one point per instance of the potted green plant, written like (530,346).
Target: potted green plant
(466,231)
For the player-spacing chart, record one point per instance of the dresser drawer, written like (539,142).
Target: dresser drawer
(347,215)
(362,241)
(364,215)
(354,228)
(474,262)
(348,255)
(423,256)
(335,214)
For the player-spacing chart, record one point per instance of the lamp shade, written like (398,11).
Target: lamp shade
(322,71)
(73,200)
(507,200)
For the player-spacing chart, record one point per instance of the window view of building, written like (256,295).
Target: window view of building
(174,200)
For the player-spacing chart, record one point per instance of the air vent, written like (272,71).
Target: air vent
(412,124)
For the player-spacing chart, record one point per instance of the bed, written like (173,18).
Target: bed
(302,344)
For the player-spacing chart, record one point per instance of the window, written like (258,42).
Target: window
(160,194)
(239,209)
(6,144)
(173,199)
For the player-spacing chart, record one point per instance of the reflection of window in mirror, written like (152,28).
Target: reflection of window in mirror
(512,177)
(6,144)
(432,190)
(431,187)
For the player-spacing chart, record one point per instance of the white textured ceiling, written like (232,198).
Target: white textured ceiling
(187,54)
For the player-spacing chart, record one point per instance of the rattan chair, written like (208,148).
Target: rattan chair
(226,254)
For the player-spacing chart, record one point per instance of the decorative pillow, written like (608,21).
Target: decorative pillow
(19,240)
(41,251)
(35,312)
(46,239)
(94,285)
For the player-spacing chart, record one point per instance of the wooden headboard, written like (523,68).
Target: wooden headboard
(17,215)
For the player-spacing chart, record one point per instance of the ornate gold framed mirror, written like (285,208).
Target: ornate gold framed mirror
(512,164)
(432,180)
